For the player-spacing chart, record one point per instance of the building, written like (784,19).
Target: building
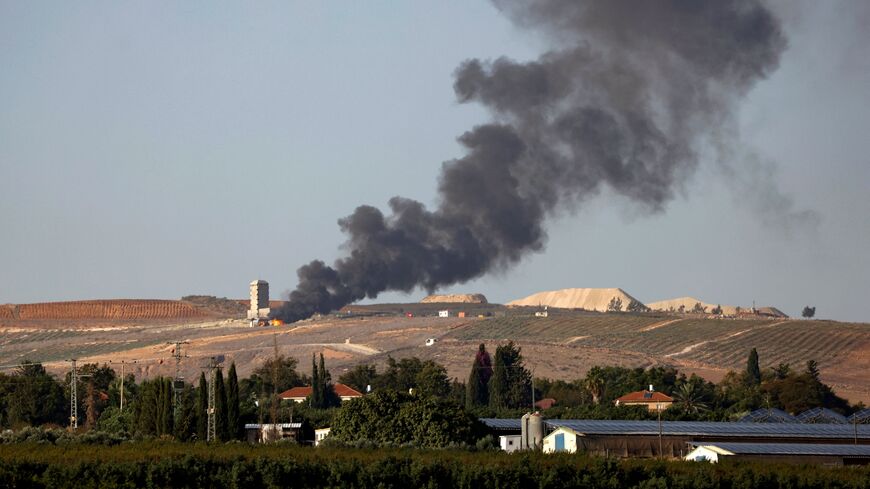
(561,440)
(265,433)
(795,453)
(444,314)
(299,394)
(509,443)
(320,434)
(622,438)
(654,401)
(259,305)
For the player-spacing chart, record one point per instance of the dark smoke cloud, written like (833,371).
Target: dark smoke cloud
(624,101)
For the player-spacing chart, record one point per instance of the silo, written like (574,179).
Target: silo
(532,431)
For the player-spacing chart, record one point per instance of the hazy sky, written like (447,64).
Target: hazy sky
(159,149)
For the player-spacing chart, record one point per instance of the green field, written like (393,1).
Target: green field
(156,464)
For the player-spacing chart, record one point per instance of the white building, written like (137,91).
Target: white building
(259,305)
(320,434)
(444,314)
(509,443)
(561,440)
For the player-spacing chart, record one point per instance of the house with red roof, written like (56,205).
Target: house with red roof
(299,394)
(654,401)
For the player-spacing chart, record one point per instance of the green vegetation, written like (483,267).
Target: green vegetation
(154,464)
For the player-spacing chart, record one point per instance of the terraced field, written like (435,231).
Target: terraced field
(106,309)
(560,328)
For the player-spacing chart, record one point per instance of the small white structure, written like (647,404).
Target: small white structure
(706,453)
(431,341)
(320,434)
(444,314)
(259,306)
(561,440)
(509,443)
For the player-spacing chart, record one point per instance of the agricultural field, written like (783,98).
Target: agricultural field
(563,345)
(103,309)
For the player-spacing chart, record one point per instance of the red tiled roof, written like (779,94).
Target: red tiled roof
(645,396)
(301,392)
(545,403)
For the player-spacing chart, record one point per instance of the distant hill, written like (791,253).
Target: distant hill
(688,303)
(456,299)
(588,299)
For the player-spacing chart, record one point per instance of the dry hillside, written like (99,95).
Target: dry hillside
(588,299)
(563,345)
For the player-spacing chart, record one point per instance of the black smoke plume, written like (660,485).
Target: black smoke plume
(624,101)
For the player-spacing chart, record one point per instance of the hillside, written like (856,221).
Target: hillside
(118,309)
(455,299)
(561,346)
(588,299)
(688,304)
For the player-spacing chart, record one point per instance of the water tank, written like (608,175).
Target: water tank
(532,435)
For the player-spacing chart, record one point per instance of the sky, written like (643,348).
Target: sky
(161,149)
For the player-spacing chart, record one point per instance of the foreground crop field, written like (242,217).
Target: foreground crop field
(153,464)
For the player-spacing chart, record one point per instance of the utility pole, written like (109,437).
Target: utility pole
(213,364)
(178,382)
(73,398)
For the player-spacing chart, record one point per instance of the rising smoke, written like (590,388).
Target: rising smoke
(625,101)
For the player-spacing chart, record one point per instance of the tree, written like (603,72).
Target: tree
(511,383)
(202,408)
(717,310)
(595,384)
(615,305)
(691,395)
(233,426)
(808,312)
(221,427)
(636,306)
(432,380)
(31,396)
(477,388)
(699,308)
(753,370)
(322,393)
(360,377)
(781,371)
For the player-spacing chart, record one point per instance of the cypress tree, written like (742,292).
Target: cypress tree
(499,384)
(477,388)
(202,409)
(233,403)
(753,370)
(316,389)
(220,407)
(166,406)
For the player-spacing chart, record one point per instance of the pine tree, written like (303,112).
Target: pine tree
(202,409)
(220,407)
(233,403)
(753,370)
(511,383)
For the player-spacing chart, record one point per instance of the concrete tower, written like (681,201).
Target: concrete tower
(259,300)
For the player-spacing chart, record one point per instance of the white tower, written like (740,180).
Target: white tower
(259,300)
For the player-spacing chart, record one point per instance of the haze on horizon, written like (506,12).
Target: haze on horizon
(160,150)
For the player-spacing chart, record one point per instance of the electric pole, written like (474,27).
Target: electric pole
(213,364)
(178,382)
(73,398)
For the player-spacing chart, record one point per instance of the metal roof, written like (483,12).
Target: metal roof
(768,416)
(252,426)
(789,449)
(821,415)
(501,424)
(861,417)
(709,428)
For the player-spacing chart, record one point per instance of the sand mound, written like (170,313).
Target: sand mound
(589,299)
(455,298)
(688,304)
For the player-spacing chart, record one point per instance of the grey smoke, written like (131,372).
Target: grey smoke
(625,99)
